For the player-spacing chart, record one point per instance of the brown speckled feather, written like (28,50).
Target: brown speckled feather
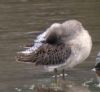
(47,55)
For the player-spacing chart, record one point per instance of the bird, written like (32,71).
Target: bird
(61,46)
(96,69)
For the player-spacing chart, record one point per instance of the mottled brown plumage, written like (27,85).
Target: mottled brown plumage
(47,55)
(51,47)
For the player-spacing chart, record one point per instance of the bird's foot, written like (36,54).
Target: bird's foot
(61,75)
(56,76)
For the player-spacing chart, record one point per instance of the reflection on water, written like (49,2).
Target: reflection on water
(22,20)
(63,86)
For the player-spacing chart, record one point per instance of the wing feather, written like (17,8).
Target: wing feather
(47,55)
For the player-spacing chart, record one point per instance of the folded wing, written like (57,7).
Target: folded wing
(47,55)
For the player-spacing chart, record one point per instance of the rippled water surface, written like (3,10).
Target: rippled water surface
(22,20)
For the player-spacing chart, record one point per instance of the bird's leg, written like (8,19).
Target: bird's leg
(63,74)
(55,72)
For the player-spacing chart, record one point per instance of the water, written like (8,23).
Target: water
(22,20)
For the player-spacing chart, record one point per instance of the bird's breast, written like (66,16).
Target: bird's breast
(80,48)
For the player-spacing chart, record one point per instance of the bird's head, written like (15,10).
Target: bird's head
(54,34)
(60,33)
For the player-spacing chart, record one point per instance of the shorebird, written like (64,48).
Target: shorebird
(97,68)
(61,46)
